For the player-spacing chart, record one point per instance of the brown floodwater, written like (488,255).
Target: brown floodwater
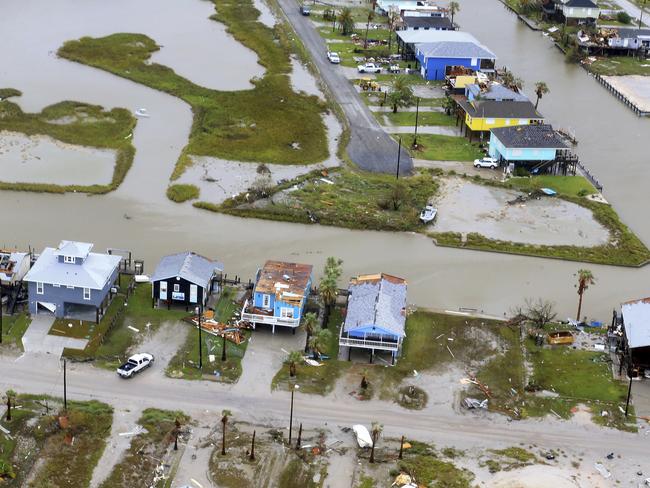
(138,216)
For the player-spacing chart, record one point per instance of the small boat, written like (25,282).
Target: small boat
(548,191)
(362,435)
(142,112)
(428,214)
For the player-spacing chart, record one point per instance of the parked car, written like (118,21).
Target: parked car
(135,364)
(369,68)
(305,10)
(333,57)
(486,163)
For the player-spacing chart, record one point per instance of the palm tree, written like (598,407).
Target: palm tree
(293,358)
(454,7)
(585,278)
(511,81)
(11,395)
(371,15)
(328,287)
(401,93)
(346,21)
(449,105)
(224,420)
(333,267)
(319,343)
(310,323)
(375,432)
(541,89)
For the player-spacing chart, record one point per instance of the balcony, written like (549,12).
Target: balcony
(249,315)
(375,342)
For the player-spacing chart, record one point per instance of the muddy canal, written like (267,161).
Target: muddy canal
(139,217)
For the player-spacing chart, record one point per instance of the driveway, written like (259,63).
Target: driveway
(36,339)
(370,147)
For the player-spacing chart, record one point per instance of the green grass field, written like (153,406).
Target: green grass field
(13,328)
(74,123)
(258,124)
(183,193)
(408,118)
(185,364)
(435,147)
(572,186)
(620,66)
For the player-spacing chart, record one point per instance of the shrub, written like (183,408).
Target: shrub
(519,171)
(623,17)
(182,193)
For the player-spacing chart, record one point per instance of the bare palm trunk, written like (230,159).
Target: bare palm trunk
(579,307)
(537,102)
(252,456)
(223,440)
(307,342)
(365,41)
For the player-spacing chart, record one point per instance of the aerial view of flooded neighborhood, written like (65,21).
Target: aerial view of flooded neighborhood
(324,244)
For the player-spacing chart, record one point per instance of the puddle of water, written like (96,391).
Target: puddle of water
(303,80)
(266,16)
(41,159)
(466,207)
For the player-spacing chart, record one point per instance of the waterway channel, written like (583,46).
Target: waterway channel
(139,217)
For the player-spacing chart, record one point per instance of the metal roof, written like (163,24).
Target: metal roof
(10,264)
(453,49)
(280,278)
(424,22)
(495,91)
(93,273)
(187,265)
(636,320)
(378,300)
(581,4)
(504,109)
(427,36)
(530,136)
(630,33)
(73,249)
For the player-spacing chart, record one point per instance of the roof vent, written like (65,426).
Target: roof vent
(286,277)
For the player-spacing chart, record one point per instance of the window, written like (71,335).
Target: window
(489,121)
(266,301)
(286,313)
(68,259)
(507,121)
(177,287)
(86,293)
(39,288)
(70,287)
(55,285)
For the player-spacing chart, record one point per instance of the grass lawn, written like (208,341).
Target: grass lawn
(424,118)
(13,328)
(442,148)
(376,98)
(74,123)
(81,329)
(319,380)
(356,200)
(137,466)
(572,186)
(258,124)
(72,464)
(186,361)
(620,66)
(182,193)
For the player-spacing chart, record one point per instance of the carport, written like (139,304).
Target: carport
(81,312)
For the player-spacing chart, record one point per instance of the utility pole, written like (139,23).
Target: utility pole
(293,390)
(417,113)
(65,386)
(299,437)
(641,16)
(252,456)
(399,155)
(0,314)
(629,392)
(199,310)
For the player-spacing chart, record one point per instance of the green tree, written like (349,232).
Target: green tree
(225,414)
(511,81)
(371,15)
(293,359)
(454,7)
(319,343)
(334,267)
(346,21)
(310,323)
(400,93)
(585,278)
(449,105)
(398,194)
(541,89)
(11,399)
(328,287)
(375,432)
(623,17)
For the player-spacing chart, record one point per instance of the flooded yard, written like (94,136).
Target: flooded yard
(41,159)
(467,207)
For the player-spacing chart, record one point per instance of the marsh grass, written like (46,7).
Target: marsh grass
(258,124)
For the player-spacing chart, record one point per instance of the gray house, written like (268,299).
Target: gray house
(71,281)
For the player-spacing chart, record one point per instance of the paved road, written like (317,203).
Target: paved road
(255,402)
(370,147)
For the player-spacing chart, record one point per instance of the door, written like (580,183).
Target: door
(163,290)
(193,293)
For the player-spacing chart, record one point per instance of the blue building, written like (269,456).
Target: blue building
(280,295)
(526,145)
(70,281)
(436,51)
(376,315)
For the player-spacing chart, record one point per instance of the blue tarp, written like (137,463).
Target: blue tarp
(548,191)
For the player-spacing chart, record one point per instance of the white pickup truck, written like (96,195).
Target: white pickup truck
(369,68)
(135,364)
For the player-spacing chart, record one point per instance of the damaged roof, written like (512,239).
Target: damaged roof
(636,320)
(189,266)
(502,110)
(377,300)
(530,136)
(278,277)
